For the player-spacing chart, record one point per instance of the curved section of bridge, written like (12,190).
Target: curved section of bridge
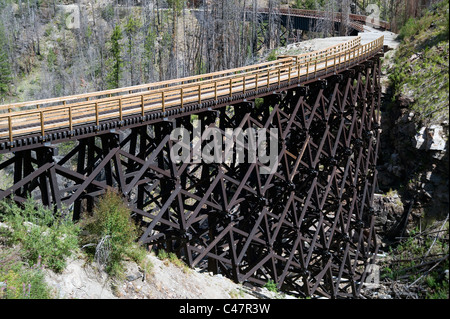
(53,119)
(306,224)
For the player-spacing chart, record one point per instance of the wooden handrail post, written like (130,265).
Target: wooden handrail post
(289,76)
(163,102)
(215,90)
(10,128)
(96,114)
(182,96)
(335,62)
(199,94)
(70,119)
(231,87)
(142,105)
(41,113)
(307,70)
(279,76)
(120,110)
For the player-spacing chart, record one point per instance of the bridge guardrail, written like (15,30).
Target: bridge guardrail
(358,18)
(180,92)
(317,15)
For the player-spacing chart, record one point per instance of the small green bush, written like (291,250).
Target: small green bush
(271,285)
(20,282)
(40,233)
(111,233)
(272,55)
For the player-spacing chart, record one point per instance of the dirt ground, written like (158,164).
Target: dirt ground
(165,281)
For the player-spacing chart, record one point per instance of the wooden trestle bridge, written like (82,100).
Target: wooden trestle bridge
(308,226)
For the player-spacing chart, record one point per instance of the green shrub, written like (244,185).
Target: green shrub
(20,282)
(272,55)
(40,233)
(162,254)
(271,285)
(110,233)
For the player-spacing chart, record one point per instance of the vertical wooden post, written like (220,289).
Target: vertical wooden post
(42,123)
(10,128)
(315,68)
(289,76)
(70,119)
(120,109)
(279,76)
(96,113)
(181,96)
(307,69)
(335,62)
(215,90)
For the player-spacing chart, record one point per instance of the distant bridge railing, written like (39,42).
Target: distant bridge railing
(356,20)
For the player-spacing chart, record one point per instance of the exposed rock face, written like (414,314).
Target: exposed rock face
(430,139)
(389,211)
(415,158)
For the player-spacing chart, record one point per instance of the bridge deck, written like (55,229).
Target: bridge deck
(37,118)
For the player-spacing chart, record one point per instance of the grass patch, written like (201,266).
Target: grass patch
(271,286)
(421,259)
(17,281)
(173,259)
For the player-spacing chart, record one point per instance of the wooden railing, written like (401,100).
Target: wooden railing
(316,15)
(355,19)
(65,113)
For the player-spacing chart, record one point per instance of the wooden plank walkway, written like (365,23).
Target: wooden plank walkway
(65,113)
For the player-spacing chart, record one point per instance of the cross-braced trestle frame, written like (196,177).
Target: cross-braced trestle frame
(308,226)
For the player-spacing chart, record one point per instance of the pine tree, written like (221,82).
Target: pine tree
(131,29)
(115,61)
(5,70)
